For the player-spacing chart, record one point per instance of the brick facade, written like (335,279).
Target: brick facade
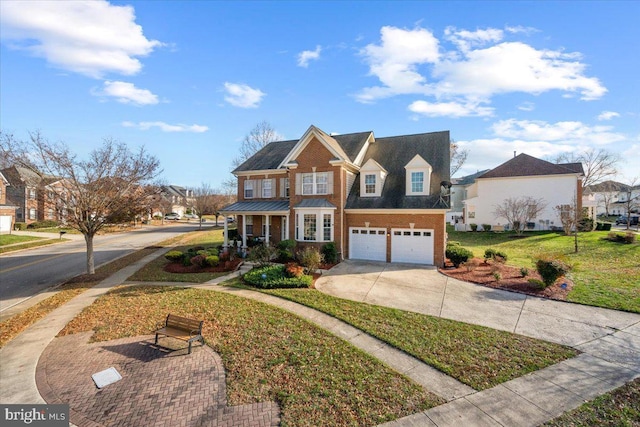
(435,222)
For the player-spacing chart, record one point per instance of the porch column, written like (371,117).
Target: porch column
(286,228)
(266,230)
(244,232)
(225,245)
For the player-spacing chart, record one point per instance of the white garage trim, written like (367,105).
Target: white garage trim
(368,243)
(415,246)
(5,223)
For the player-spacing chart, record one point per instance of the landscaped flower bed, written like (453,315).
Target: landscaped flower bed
(277,276)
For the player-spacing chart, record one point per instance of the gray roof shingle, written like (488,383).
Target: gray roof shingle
(393,154)
(526,165)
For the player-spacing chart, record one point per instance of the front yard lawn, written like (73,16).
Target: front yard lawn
(475,355)
(268,354)
(605,274)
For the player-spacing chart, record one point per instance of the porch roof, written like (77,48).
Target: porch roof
(315,203)
(275,207)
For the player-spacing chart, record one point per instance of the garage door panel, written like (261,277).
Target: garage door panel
(413,246)
(368,244)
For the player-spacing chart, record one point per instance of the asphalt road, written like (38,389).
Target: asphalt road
(27,273)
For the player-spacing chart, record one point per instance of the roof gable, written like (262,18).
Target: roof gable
(525,165)
(328,141)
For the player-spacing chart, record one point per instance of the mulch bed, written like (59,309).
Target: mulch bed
(510,279)
(224,266)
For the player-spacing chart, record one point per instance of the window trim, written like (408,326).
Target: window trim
(320,229)
(248,186)
(267,185)
(370,185)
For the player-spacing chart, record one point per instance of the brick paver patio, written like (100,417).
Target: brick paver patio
(158,387)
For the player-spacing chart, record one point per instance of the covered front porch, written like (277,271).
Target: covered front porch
(267,221)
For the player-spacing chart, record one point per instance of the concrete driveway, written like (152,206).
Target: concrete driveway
(423,289)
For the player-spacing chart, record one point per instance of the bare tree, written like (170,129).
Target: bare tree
(570,216)
(257,138)
(598,165)
(105,188)
(205,201)
(458,156)
(520,210)
(631,199)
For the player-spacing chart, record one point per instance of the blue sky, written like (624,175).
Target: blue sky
(188,80)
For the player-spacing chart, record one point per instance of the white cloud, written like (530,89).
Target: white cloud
(307,55)
(480,65)
(449,109)
(87,37)
(569,132)
(243,96)
(127,93)
(608,115)
(395,61)
(165,127)
(527,106)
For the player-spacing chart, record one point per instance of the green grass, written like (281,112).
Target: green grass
(605,274)
(475,355)
(269,355)
(11,242)
(10,239)
(154,271)
(619,408)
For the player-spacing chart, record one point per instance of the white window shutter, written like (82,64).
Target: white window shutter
(298,184)
(282,195)
(258,189)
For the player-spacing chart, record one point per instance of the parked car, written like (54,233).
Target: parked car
(190,216)
(622,220)
(172,216)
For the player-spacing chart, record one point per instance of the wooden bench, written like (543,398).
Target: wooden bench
(182,328)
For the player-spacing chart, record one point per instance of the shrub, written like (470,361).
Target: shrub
(174,256)
(43,224)
(474,227)
(550,269)
(471,264)
(453,243)
(457,255)
(262,254)
(198,260)
(330,253)
(537,282)
(20,226)
(585,224)
(294,270)
(524,271)
(310,258)
(273,276)
(497,256)
(497,276)
(486,227)
(285,249)
(212,260)
(627,237)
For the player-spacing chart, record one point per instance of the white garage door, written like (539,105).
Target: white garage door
(5,223)
(368,243)
(412,246)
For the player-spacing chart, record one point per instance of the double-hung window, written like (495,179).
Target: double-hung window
(417,182)
(370,184)
(249,225)
(310,227)
(266,188)
(314,183)
(248,189)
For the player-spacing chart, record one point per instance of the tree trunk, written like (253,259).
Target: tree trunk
(90,261)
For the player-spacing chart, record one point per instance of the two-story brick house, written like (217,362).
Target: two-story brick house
(376,198)
(23,192)
(7,210)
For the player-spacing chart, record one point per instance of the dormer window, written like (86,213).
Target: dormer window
(372,176)
(417,182)
(418,176)
(369,184)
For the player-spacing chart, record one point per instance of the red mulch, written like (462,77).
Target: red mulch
(176,267)
(510,279)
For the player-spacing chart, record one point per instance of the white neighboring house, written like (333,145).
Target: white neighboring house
(523,176)
(607,194)
(458,194)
